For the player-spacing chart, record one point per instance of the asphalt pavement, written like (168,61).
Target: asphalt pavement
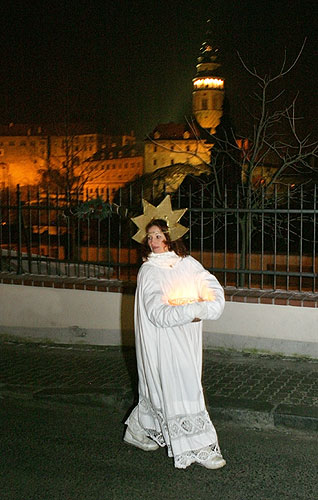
(251,389)
(55,451)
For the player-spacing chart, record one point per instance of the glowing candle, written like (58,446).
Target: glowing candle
(179,301)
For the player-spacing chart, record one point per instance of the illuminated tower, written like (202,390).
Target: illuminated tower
(208,87)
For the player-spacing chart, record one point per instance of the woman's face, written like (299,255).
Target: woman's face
(156,240)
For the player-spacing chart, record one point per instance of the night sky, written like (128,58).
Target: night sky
(128,64)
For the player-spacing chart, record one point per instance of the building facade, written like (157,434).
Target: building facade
(175,143)
(113,167)
(23,152)
(27,150)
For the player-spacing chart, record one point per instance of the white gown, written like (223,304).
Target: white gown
(171,408)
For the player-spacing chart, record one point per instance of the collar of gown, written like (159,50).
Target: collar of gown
(165,259)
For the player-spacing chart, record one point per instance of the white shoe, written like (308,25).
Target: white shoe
(215,462)
(140,441)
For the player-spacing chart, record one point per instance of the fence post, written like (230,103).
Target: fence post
(19,247)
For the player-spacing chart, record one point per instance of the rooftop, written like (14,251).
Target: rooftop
(175,131)
(115,151)
(57,129)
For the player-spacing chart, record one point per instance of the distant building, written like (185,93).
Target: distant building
(208,88)
(113,167)
(174,143)
(25,149)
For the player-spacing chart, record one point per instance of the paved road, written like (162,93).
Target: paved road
(64,452)
(241,386)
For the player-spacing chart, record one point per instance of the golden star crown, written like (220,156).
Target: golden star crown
(162,211)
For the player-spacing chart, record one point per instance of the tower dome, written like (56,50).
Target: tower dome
(208,86)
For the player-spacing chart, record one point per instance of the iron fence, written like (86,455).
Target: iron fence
(250,239)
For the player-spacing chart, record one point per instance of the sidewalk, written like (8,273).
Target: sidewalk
(252,389)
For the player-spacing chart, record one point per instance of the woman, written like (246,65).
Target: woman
(174,293)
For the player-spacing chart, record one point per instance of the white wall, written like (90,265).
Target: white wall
(85,317)
(265,327)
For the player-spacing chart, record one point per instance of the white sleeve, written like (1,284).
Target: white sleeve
(211,292)
(161,314)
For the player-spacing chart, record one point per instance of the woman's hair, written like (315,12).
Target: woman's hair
(177,246)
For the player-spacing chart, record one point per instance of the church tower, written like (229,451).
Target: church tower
(208,87)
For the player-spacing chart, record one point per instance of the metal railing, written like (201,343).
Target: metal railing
(248,239)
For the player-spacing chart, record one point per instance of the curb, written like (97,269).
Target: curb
(250,413)
(296,417)
(107,397)
(262,414)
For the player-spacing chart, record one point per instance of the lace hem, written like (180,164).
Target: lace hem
(177,427)
(200,456)
(189,425)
